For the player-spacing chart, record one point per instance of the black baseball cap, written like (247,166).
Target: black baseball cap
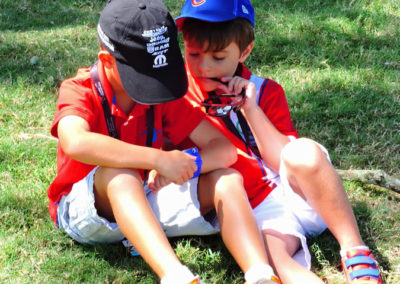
(142,36)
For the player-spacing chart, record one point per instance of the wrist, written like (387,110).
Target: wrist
(248,110)
(199,162)
(158,159)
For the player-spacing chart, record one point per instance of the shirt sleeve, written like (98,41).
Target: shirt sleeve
(180,118)
(75,98)
(274,104)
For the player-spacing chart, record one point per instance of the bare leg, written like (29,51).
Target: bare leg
(223,189)
(313,177)
(119,194)
(280,250)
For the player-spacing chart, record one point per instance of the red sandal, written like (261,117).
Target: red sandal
(360,267)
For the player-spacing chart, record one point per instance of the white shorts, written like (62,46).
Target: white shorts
(176,208)
(288,213)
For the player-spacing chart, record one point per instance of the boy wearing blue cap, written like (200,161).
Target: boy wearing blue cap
(291,184)
(110,123)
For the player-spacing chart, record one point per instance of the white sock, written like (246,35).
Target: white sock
(344,251)
(178,275)
(258,272)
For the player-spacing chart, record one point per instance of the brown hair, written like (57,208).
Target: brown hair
(218,35)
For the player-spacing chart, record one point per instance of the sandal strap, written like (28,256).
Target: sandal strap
(367,272)
(360,259)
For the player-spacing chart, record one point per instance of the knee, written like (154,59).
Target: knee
(303,155)
(228,182)
(114,180)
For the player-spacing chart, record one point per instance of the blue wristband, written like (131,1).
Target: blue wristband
(195,152)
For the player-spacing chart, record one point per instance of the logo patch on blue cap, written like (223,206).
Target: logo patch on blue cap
(198,3)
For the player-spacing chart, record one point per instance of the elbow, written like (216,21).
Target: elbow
(72,148)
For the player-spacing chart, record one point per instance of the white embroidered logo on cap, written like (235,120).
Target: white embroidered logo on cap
(244,9)
(158,45)
(160,60)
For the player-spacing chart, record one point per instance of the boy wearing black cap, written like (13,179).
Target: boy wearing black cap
(110,122)
(290,182)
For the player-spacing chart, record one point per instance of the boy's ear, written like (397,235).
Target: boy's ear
(246,52)
(106,58)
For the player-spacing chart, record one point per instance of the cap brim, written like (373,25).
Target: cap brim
(153,86)
(203,17)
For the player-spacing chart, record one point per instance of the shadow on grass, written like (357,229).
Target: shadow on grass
(205,255)
(316,41)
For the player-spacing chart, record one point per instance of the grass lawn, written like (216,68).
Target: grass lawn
(338,61)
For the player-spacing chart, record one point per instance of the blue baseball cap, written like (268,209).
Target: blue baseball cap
(216,10)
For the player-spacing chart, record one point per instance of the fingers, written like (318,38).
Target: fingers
(178,167)
(238,84)
(156,181)
(159,183)
(191,168)
(224,88)
(163,182)
(186,175)
(234,84)
(151,179)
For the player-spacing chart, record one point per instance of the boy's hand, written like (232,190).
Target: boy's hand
(235,85)
(176,166)
(157,181)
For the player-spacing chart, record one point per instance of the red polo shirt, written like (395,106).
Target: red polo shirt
(77,96)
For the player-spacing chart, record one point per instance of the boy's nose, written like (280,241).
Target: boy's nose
(204,65)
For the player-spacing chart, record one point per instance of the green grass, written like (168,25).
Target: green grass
(338,61)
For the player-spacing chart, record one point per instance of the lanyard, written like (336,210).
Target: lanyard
(250,141)
(112,130)
(249,138)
